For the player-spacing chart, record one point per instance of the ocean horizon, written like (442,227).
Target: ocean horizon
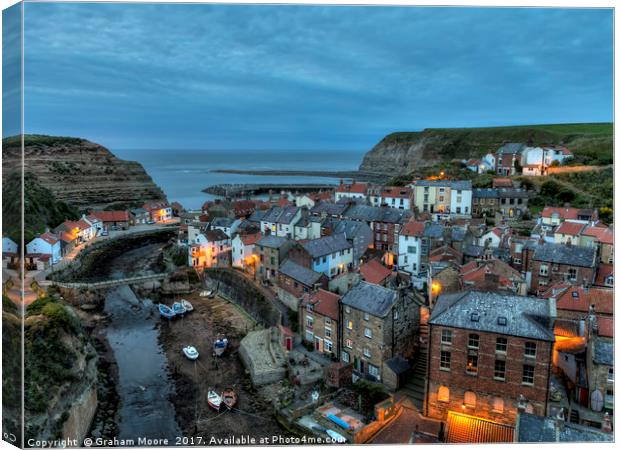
(182,174)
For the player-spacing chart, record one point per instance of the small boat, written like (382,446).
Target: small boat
(208,294)
(229,398)
(187,305)
(214,400)
(178,308)
(219,346)
(336,436)
(165,311)
(190,352)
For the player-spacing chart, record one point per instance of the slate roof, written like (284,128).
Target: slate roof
(460,185)
(513,193)
(350,228)
(326,245)
(485,193)
(603,352)
(222,222)
(280,215)
(458,234)
(473,250)
(511,148)
(377,214)
(272,241)
(398,364)
(331,209)
(370,298)
(433,230)
(215,235)
(535,428)
(257,215)
(299,273)
(572,255)
(527,317)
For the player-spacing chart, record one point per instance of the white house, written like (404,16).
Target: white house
(460,198)
(243,250)
(280,221)
(536,160)
(492,238)
(307,228)
(487,163)
(45,244)
(397,197)
(226,224)
(209,249)
(331,255)
(410,247)
(352,191)
(8,246)
(95,223)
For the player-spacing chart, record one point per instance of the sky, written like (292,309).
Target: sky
(306,77)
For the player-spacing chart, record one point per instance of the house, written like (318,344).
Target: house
(331,255)
(271,251)
(279,221)
(552,263)
(319,321)
(138,216)
(579,302)
(325,209)
(443,277)
(9,252)
(352,190)
(392,197)
(602,238)
(79,231)
(294,281)
(358,233)
(113,219)
(375,273)
(95,223)
(443,198)
(307,227)
(210,248)
(507,157)
(45,244)
(536,160)
(492,275)
(536,428)
(242,246)
(605,275)
(226,224)
(513,203)
(553,216)
(569,233)
(485,202)
(473,165)
(377,325)
(311,199)
(600,374)
(242,209)
(159,211)
(410,247)
(489,356)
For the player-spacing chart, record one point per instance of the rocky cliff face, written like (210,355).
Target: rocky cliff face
(80,172)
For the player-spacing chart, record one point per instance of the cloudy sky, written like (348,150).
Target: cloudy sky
(302,77)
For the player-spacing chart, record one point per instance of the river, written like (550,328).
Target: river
(144,383)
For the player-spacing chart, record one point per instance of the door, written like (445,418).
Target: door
(289,344)
(318,344)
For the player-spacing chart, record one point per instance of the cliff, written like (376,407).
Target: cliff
(79,172)
(403,152)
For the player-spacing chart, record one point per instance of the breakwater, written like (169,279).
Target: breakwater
(239,190)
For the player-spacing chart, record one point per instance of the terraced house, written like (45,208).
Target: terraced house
(443,198)
(280,221)
(552,263)
(319,321)
(490,356)
(331,255)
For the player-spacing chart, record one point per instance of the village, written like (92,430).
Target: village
(464,316)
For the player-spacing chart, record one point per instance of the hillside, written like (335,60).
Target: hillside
(403,152)
(79,172)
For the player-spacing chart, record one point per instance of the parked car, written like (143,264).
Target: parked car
(150,222)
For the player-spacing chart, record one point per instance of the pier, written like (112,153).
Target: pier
(241,190)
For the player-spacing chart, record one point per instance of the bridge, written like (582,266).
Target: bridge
(109,283)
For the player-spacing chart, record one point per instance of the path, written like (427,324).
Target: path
(109,283)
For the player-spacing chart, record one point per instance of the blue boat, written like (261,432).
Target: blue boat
(178,308)
(165,311)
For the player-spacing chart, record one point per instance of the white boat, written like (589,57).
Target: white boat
(336,436)
(190,352)
(214,400)
(208,294)
(187,305)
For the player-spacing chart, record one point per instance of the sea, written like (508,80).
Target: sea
(182,174)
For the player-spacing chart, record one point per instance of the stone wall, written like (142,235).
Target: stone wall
(80,416)
(242,291)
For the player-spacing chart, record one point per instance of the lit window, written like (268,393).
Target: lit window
(474,341)
(501,344)
(350,324)
(472,364)
(544,270)
(446,336)
(530,349)
(443,394)
(500,369)
(445,358)
(498,405)
(528,374)
(469,399)
(349,343)
(368,333)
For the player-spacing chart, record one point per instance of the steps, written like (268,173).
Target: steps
(416,386)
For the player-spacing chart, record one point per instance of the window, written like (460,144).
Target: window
(444,363)
(347,309)
(366,352)
(530,349)
(528,374)
(328,321)
(472,364)
(328,332)
(395,314)
(610,375)
(349,343)
(474,341)
(366,316)
(328,345)
(373,371)
(501,344)
(469,399)
(310,322)
(309,336)
(443,394)
(446,336)
(412,249)
(502,321)
(498,405)
(350,324)
(368,333)
(345,357)
(572,274)
(544,270)
(500,370)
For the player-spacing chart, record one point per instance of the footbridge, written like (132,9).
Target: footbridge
(109,283)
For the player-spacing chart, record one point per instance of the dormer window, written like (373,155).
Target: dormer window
(475,317)
(502,321)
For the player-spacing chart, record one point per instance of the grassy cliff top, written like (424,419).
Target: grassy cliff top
(40,139)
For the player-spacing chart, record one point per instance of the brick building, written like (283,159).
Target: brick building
(552,263)
(318,320)
(294,281)
(490,356)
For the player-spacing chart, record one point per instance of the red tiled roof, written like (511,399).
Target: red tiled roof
(604,270)
(66,237)
(412,228)
(374,272)
(570,228)
(357,188)
(283,201)
(578,298)
(472,162)
(605,326)
(396,192)
(112,216)
(445,253)
(49,238)
(564,213)
(324,303)
(152,206)
(502,182)
(603,234)
(251,239)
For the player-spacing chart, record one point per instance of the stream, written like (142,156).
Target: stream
(144,382)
